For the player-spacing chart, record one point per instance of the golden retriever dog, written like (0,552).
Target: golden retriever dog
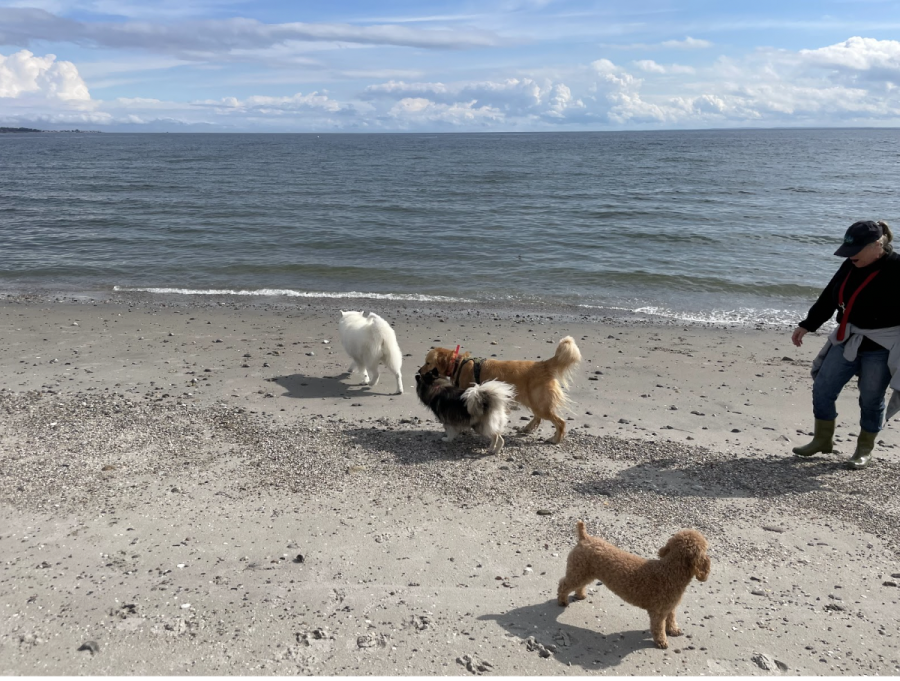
(539,385)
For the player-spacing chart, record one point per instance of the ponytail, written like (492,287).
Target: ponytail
(887,232)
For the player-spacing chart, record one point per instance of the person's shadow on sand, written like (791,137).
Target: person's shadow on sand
(542,633)
(737,478)
(317,387)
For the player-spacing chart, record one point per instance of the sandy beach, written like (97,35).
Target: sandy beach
(200,487)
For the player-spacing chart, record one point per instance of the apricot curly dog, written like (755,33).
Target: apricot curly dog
(654,585)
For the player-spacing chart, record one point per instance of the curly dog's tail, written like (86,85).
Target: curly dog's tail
(581,532)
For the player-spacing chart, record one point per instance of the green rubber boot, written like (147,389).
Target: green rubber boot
(822,440)
(865,443)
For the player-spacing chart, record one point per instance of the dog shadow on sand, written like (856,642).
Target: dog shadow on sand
(423,445)
(342,385)
(542,634)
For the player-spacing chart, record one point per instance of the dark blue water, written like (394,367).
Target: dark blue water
(692,224)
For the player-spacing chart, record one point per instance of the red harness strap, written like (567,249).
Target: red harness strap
(845,317)
(453,362)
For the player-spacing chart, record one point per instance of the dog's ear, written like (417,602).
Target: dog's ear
(692,549)
(433,358)
(702,567)
(664,550)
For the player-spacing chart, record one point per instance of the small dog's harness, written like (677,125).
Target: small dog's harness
(476,366)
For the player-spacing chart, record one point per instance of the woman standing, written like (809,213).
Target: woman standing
(865,291)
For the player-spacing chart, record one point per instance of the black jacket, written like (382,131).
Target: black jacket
(876,307)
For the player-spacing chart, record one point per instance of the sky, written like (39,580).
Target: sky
(436,66)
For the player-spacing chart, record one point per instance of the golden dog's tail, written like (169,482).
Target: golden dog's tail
(565,361)
(581,531)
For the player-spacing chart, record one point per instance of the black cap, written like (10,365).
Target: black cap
(858,236)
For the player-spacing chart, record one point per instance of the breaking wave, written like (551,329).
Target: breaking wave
(290,293)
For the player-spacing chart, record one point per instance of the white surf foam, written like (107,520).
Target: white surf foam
(290,293)
(739,317)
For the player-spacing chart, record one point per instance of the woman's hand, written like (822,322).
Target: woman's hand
(797,336)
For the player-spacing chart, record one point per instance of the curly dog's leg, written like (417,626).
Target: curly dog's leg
(567,585)
(672,628)
(658,629)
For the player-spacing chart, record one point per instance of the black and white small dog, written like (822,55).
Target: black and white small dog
(484,408)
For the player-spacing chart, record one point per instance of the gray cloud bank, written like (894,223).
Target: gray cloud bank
(25,26)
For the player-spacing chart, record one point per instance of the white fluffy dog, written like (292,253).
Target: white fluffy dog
(370,341)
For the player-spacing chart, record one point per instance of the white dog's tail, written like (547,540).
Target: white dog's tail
(390,350)
(491,399)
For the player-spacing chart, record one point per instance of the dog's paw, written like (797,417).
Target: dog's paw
(662,644)
(674,632)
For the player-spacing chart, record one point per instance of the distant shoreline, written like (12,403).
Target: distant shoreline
(4,129)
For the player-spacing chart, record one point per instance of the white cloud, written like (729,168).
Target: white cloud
(511,91)
(849,83)
(380,74)
(651,66)
(615,77)
(134,9)
(140,9)
(687,44)
(858,57)
(272,105)
(24,74)
(854,82)
(562,100)
(101,69)
(419,111)
(514,97)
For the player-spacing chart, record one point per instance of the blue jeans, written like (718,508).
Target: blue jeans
(836,372)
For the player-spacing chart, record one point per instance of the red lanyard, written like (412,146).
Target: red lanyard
(846,308)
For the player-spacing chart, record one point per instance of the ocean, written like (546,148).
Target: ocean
(724,226)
